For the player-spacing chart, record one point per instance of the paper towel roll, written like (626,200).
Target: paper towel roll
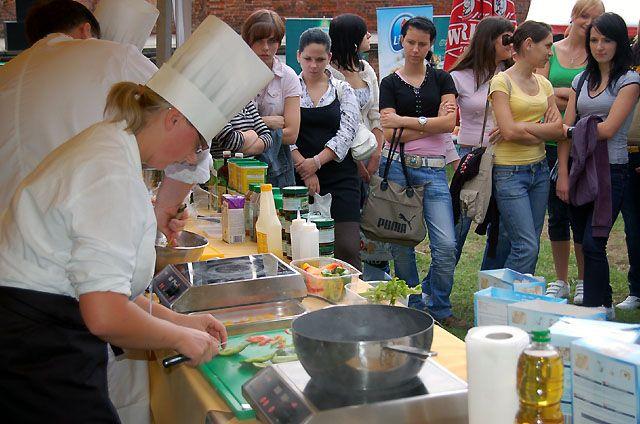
(492,361)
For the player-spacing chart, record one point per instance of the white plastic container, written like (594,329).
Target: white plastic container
(268,227)
(296,229)
(309,243)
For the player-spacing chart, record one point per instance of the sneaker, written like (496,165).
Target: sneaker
(558,289)
(453,321)
(579,293)
(630,303)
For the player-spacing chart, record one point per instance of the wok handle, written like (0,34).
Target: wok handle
(413,351)
(170,361)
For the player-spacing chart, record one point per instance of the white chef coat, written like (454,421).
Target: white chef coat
(83,222)
(57,88)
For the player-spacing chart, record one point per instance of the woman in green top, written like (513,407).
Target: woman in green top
(568,60)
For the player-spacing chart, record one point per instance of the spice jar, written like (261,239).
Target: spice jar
(295,198)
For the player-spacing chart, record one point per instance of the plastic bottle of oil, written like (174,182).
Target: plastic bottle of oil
(540,382)
(268,227)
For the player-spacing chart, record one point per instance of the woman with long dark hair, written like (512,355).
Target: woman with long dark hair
(568,60)
(489,51)
(608,89)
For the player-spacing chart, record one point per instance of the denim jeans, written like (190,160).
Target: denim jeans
(559,224)
(521,192)
(438,214)
(372,272)
(597,287)
(631,216)
(503,248)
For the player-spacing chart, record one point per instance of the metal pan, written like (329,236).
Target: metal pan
(363,346)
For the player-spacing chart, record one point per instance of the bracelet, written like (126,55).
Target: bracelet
(316,160)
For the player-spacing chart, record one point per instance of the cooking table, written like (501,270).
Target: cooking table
(182,395)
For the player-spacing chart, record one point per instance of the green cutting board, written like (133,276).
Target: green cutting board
(227,374)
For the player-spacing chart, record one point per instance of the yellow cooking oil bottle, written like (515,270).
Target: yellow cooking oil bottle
(540,382)
(268,227)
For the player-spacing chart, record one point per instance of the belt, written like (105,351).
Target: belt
(415,161)
(633,149)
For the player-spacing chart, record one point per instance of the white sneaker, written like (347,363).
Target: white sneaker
(630,303)
(579,293)
(558,289)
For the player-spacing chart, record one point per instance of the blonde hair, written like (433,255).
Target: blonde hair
(133,103)
(582,5)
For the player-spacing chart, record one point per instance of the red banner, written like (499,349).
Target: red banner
(465,15)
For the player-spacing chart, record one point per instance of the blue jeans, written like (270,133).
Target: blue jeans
(631,216)
(438,214)
(372,272)
(521,192)
(502,251)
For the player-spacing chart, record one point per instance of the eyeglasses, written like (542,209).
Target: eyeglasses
(202,144)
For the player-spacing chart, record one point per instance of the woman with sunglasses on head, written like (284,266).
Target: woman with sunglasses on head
(568,60)
(330,116)
(421,100)
(489,51)
(279,102)
(521,99)
(608,89)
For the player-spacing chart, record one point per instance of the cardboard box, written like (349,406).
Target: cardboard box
(539,314)
(490,304)
(567,330)
(233,219)
(606,381)
(509,279)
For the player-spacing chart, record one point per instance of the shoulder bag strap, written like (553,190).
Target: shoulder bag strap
(484,121)
(392,148)
(581,82)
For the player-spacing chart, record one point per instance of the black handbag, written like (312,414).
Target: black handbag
(393,213)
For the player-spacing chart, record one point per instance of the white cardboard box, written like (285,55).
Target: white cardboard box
(539,315)
(509,279)
(490,304)
(568,330)
(606,381)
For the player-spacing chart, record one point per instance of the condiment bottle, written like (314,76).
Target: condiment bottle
(540,382)
(268,227)
(296,233)
(223,172)
(309,243)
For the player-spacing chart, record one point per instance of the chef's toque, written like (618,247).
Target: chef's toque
(126,21)
(211,77)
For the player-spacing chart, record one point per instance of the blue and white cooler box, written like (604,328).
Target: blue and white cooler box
(490,304)
(506,278)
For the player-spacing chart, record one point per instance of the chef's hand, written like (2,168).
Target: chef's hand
(170,222)
(197,345)
(313,184)
(306,168)
(203,322)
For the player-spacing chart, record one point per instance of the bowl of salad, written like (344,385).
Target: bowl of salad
(326,277)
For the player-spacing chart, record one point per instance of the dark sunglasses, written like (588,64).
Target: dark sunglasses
(507,39)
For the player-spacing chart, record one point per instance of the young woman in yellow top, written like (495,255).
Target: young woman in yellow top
(521,100)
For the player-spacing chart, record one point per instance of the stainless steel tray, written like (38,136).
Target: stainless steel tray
(257,317)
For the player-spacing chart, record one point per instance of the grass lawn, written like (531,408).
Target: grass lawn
(466,276)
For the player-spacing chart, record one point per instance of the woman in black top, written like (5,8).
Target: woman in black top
(421,100)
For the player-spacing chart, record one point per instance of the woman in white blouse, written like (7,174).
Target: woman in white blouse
(330,116)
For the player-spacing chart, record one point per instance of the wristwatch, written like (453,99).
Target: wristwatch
(422,120)
(570,132)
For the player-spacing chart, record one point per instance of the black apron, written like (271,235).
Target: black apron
(52,369)
(317,126)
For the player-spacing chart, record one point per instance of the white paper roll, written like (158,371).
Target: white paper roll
(492,361)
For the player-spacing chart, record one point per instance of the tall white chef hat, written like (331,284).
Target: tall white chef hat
(211,77)
(126,21)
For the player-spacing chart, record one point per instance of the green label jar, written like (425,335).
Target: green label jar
(326,228)
(295,198)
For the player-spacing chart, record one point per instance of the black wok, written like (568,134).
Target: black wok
(363,346)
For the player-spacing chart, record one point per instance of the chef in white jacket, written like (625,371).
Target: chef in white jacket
(76,243)
(57,88)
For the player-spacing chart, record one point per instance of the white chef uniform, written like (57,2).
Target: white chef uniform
(54,90)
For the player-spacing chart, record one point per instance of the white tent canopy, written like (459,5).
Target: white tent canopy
(558,12)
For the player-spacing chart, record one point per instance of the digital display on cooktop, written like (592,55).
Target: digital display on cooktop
(237,269)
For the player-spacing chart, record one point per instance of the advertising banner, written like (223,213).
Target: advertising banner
(440,46)
(390,20)
(294,27)
(465,15)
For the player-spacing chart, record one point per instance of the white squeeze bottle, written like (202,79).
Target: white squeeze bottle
(268,227)
(296,233)
(309,241)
